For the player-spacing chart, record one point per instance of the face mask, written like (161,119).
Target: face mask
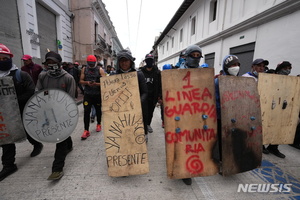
(284,71)
(255,73)
(5,65)
(192,62)
(234,70)
(149,63)
(54,69)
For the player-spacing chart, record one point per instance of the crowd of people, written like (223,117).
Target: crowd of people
(71,76)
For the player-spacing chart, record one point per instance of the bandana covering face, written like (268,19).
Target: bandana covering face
(192,62)
(5,65)
(149,63)
(54,69)
(284,71)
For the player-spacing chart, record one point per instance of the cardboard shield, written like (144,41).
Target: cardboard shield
(126,150)
(50,115)
(11,127)
(280,103)
(241,124)
(190,122)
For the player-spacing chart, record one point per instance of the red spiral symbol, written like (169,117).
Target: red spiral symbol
(194,165)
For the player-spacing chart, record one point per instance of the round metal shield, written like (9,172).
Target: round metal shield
(50,115)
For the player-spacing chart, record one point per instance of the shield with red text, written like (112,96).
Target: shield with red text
(241,124)
(190,122)
(11,126)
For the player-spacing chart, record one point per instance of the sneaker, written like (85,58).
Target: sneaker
(98,128)
(55,176)
(275,151)
(37,149)
(265,151)
(85,135)
(92,119)
(6,171)
(150,130)
(187,181)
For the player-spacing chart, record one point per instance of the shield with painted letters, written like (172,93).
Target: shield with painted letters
(241,124)
(50,115)
(190,122)
(11,127)
(124,136)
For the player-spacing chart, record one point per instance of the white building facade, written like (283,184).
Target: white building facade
(250,29)
(36,26)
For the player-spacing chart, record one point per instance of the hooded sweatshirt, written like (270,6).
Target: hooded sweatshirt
(63,81)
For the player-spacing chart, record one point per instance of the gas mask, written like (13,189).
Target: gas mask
(54,69)
(284,71)
(192,62)
(149,63)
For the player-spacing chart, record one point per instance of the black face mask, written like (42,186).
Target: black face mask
(6,65)
(149,63)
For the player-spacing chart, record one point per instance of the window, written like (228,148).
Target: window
(167,46)
(172,42)
(213,10)
(96,32)
(193,26)
(181,35)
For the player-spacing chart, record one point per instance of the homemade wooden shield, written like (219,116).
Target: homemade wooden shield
(11,127)
(190,122)
(126,150)
(50,115)
(280,104)
(241,124)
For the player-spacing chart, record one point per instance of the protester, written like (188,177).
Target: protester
(258,66)
(90,78)
(153,81)
(126,64)
(283,68)
(31,68)
(230,67)
(193,54)
(57,78)
(108,70)
(24,87)
(75,72)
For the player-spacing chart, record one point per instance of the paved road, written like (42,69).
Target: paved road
(86,174)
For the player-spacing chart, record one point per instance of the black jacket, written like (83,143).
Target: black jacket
(155,76)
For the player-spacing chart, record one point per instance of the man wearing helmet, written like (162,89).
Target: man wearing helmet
(24,89)
(90,78)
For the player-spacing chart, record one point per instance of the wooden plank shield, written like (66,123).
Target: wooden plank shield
(241,124)
(11,126)
(190,122)
(280,103)
(126,150)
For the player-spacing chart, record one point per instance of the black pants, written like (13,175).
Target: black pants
(150,109)
(88,101)
(60,154)
(297,136)
(8,154)
(31,140)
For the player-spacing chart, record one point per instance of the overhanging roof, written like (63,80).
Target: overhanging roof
(181,10)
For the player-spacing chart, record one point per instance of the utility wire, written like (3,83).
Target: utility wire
(138,27)
(128,22)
